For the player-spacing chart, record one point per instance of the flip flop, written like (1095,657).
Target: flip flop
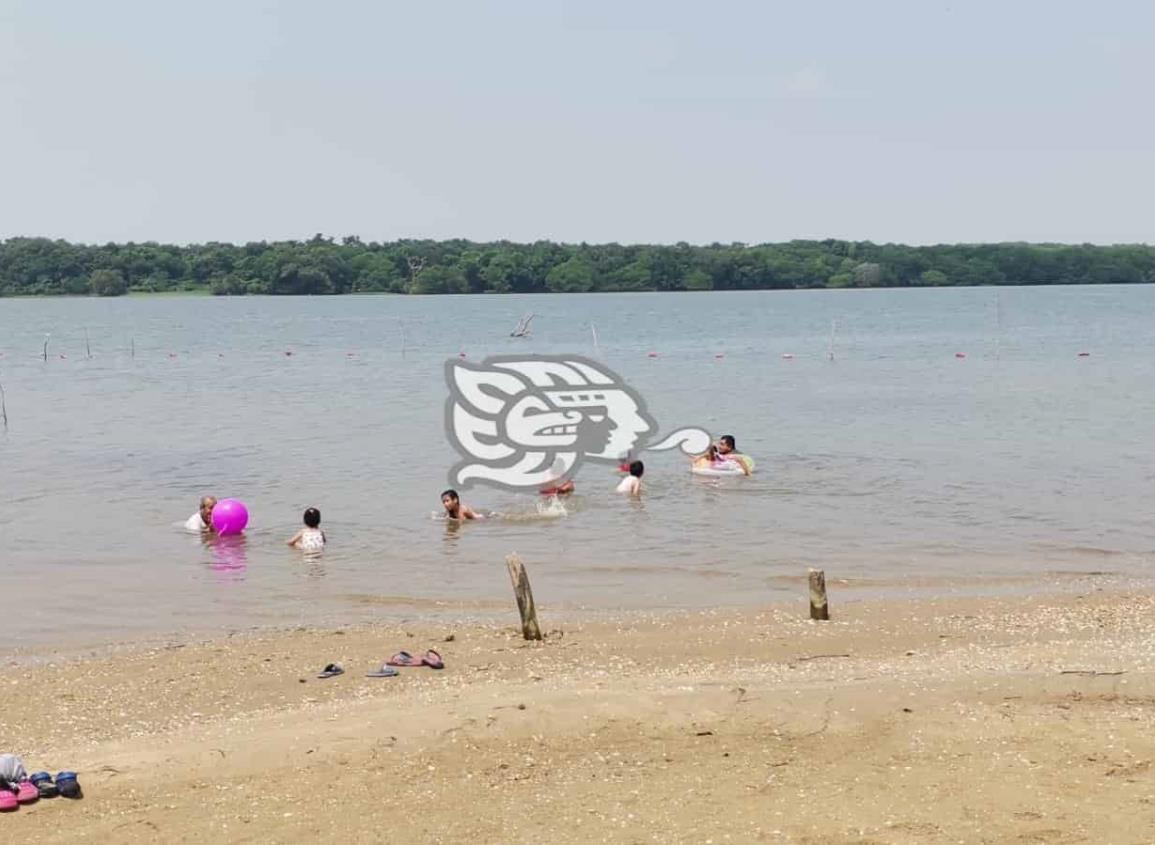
(43,782)
(8,801)
(433,660)
(68,785)
(386,671)
(331,671)
(403,658)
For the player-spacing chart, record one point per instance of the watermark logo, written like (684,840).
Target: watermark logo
(527,421)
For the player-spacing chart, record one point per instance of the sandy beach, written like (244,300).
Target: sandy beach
(931,721)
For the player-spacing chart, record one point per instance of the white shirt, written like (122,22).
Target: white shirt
(195,523)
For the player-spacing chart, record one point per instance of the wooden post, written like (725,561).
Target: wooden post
(525,605)
(818,607)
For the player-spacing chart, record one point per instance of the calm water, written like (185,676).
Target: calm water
(896,461)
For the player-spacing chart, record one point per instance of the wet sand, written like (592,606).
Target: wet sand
(1004,719)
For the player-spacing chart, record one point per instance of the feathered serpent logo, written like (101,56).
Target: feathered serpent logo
(522,422)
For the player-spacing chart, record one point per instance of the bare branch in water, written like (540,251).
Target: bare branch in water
(3,407)
(522,329)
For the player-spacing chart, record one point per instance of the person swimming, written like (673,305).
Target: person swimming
(456,509)
(559,485)
(632,484)
(202,520)
(728,450)
(714,459)
(310,538)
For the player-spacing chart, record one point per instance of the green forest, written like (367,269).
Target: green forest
(321,265)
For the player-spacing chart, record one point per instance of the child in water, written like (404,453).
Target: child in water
(632,483)
(310,538)
(713,459)
(455,509)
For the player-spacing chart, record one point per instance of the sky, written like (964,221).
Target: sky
(651,121)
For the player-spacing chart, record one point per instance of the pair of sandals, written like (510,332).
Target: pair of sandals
(39,785)
(402,658)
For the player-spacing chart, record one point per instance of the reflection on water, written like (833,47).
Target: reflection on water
(895,461)
(228,553)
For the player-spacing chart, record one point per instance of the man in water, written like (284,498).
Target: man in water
(454,508)
(727,449)
(202,520)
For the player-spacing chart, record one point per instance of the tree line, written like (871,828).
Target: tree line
(321,265)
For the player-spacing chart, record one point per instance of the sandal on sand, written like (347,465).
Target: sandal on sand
(386,671)
(433,660)
(43,782)
(68,785)
(8,801)
(331,671)
(403,658)
(26,793)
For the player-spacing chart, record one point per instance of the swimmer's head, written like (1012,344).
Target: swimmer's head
(726,444)
(637,468)
(451,501)
(206,509)
(312,517)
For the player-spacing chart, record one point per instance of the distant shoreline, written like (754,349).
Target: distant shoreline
(320,265)
(205,293)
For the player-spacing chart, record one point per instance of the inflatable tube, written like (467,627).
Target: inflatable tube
(719,472)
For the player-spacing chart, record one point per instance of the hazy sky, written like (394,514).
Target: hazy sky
(653,121)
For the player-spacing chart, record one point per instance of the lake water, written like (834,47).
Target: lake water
(894,464)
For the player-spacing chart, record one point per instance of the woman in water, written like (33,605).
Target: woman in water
(713,459)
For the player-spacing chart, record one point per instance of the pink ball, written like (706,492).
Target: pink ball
(229,517)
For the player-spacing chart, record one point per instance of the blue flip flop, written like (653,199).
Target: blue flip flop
(331,671)
(386,671)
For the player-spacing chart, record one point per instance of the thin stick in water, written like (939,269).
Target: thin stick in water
(3,408)
(594,332)
(87,345)
(833,329)
(46,336)
(999,323)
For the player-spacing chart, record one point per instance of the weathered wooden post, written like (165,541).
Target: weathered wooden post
(818,606)
(525,605)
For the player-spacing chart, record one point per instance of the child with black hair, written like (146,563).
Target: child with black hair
(632,483)
(310,538)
